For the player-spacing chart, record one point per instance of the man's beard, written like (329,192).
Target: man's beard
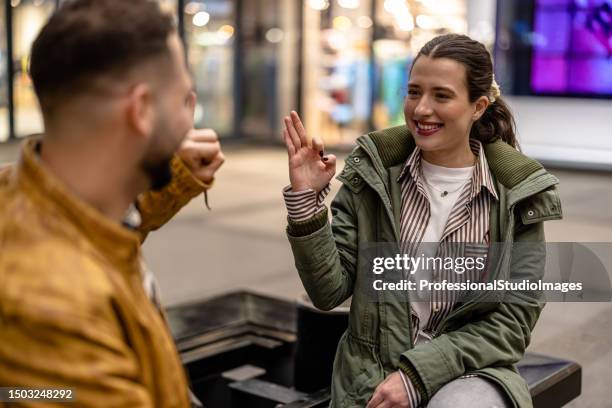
(159,172)
(156,164)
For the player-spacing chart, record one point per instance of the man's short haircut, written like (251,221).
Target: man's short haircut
(88,40)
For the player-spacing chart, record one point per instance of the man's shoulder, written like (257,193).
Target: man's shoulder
(42,278)
(27,225)
(47,262)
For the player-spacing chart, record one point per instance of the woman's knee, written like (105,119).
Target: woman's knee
(471,392)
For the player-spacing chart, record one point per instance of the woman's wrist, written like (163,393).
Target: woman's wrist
(299,188)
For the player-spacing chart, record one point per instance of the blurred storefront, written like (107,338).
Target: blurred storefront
(4,97)
(28,18)
(244,57)
(342,63)
(357,56)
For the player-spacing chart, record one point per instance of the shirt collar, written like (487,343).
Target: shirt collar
(412,165)
(481,177)
(482,173)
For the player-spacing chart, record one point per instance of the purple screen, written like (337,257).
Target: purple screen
(572,47)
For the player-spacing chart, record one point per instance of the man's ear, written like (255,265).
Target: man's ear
(140,112)
(481,105)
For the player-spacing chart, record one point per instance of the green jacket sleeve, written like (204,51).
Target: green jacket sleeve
(499,338)
(326,256)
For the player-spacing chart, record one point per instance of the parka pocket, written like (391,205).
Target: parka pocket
(357,372)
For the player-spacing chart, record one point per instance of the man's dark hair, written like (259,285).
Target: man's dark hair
(86,40)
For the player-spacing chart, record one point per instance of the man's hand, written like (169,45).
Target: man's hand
(391,393)
(202,154)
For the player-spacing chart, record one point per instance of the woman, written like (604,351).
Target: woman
(452,174)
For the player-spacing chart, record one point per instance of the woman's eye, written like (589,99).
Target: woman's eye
(412,92)
(442,96)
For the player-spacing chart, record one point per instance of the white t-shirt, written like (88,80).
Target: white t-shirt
(443,186)
(437,180)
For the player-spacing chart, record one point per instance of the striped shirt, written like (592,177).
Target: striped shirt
(467,228)
(302,205)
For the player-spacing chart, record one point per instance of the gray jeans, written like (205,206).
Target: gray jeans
(470,392)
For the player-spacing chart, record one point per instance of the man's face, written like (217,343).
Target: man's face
(174,104)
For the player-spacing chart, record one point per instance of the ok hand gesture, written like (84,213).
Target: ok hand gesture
(309,167)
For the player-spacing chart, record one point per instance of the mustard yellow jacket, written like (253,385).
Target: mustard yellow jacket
(73,311)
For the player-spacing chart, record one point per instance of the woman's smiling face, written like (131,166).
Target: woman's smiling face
(437,108)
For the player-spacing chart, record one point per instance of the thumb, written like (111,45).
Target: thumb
(330,163)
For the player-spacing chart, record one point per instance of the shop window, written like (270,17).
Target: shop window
(28,18)
(210,37)
(270,55)
(357,57)
(4,61)
(337,69)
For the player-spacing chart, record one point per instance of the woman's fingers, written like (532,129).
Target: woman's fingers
(330,162)
(295,138)
(288,143)
(376,400)
(317,144)
(299,127)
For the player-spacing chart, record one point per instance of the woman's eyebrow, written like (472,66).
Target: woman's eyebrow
(443,88)
(435,88)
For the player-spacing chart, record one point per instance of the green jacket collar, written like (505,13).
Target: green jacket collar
(380,155)
(392,146)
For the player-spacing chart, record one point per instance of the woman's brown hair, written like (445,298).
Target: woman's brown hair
(497,121)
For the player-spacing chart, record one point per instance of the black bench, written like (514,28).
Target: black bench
(247,350)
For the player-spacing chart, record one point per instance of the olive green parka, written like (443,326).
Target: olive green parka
(478,337)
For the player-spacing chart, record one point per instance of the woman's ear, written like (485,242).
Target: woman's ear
(481,106)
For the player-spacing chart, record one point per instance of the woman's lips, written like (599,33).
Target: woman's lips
(427,128)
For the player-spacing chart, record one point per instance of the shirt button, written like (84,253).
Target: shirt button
(530,213)
(355,181)
(356,159)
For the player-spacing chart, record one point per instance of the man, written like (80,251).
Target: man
(117,103)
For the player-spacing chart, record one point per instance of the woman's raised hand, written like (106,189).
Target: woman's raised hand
(309,167)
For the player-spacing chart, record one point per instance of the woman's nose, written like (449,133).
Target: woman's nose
(423,108)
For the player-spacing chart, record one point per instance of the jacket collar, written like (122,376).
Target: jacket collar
(392,146)
(113,240)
